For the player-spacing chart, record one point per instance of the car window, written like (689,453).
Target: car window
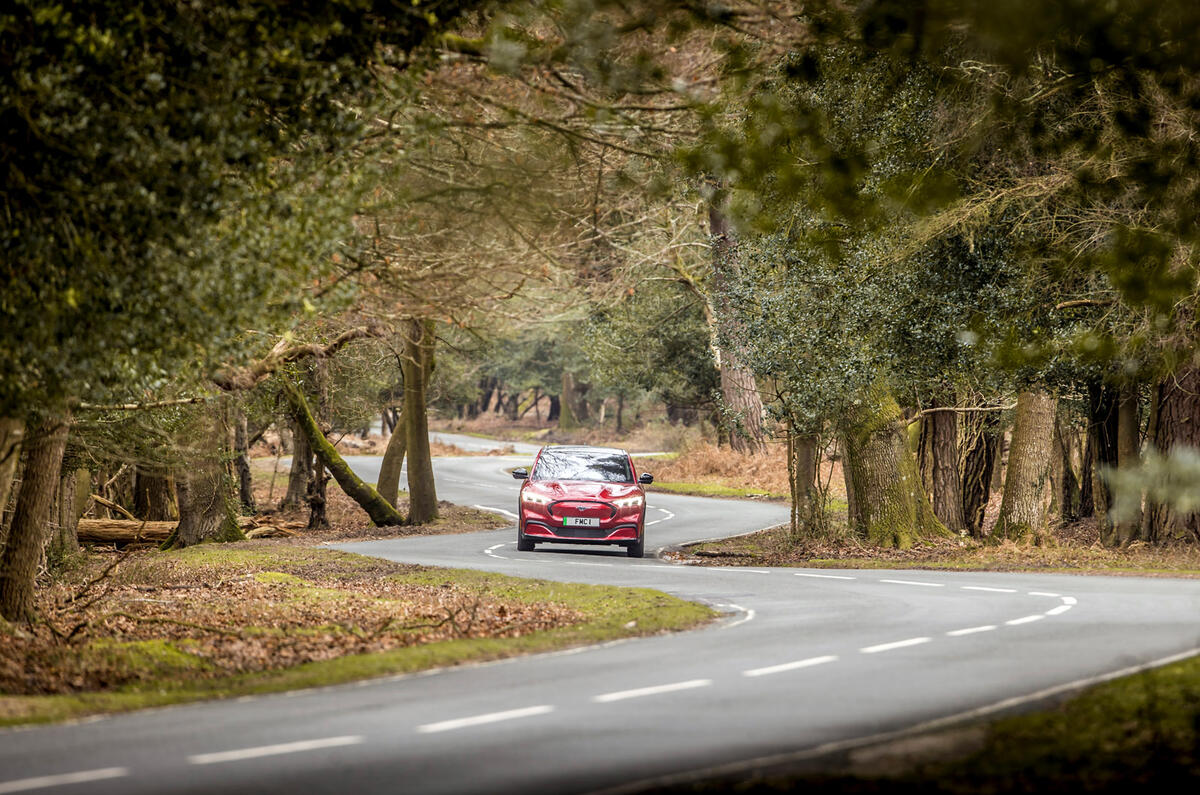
(575,465)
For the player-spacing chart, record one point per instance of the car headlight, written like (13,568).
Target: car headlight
(535,499)
(631,502)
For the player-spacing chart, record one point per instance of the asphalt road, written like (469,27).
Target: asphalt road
(805,661)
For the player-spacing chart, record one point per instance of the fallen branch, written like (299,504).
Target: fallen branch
(112,506)
(176,622)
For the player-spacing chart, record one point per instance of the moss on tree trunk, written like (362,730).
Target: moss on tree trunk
(388,484)
(418,366)
(892,508)
(381,513)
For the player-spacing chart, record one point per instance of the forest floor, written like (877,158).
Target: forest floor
(138,627)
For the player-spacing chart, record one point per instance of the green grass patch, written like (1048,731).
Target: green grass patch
(715,490)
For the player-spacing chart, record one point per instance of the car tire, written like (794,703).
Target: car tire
(637,549)
(524,544)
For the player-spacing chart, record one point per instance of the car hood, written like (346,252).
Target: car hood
(583,489)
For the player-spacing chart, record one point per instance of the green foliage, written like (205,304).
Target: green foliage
(158,192)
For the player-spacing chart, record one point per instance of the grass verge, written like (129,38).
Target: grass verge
(717,490)
(1138,733)
(219,621)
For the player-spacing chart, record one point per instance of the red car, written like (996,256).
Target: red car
(582,495)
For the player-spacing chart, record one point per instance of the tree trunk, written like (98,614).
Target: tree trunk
(241,462)
(418,366)
(206,507)
(946,478)
(12,431)
(1103,422)
(807,510)
(982,457)
(377,508)
(1067,492)
(317,495)
(555,411)
(891,504)
(64,543)
(1175,423)
(301,469)
(567,419)
(1027,485)
(620,412)
(388,484)
(154,496)
(27,534)
(1125,524)
(739,390)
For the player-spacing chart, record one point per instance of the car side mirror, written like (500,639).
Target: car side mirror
(645,478)
(520,473)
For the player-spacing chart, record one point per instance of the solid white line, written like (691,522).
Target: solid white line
(762,762)
(899,644)
(273,750)
(822,576)
(669,515)
(1058,610)
(479,720)
(509,514)
(991,590)
(750,614)
(1043,593)
(741,570)
(1069,600)
(621,695)
(1025,620)
(83,776)
(913,582)
(792,666)
(970,630)
(578,563)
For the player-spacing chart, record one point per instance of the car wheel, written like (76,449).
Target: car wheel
(523,543)
(637,549)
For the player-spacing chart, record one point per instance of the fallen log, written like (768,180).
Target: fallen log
(108,531)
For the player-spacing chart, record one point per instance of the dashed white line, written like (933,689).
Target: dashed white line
(1069,600)
(621,695)
(480,720)
(81,777)
(1058,610)
(740,570)
(970,630)
(899,644)
(749,616)
(791,666)
(916,582)
(274,750)
(1025,620)
(580,563)
(822,576)
(986,588)
(1043,593)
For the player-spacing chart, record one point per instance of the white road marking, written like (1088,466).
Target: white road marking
(1043,593)
(822,576)
(1025,620)
(971,630)
(479,720)
(740,570)
(81,777)
(750,614)
(274,750)
(990,590)
(621,695)
(915,582)
(669,515)
(899,644)
(509,514)
(791,666)
(1058,610)
(578,563)
(1069,600)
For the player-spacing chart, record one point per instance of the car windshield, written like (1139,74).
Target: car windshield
(607,467)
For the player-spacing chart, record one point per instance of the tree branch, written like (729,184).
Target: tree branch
(247,377)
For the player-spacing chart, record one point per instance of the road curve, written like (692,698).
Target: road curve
(804,660)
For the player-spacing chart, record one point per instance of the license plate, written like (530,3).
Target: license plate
(580,521)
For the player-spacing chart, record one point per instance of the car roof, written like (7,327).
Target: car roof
(584,448)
